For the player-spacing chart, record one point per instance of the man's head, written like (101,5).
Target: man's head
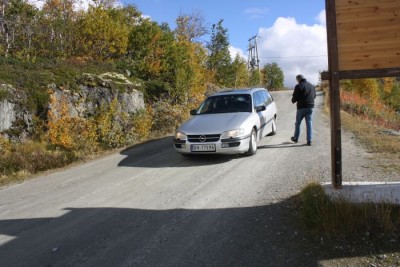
(300,77)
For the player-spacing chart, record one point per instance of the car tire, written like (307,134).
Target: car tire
(253,143)
(274,128)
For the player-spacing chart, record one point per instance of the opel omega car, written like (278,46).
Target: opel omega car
(229,122)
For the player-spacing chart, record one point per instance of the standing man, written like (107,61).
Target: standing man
(304,94)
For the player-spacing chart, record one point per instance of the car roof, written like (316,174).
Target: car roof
(238,91)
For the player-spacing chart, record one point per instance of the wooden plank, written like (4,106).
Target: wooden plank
(368,34)
(360,27)
(376,4)
(362,13)
(355,40)
(375,47)
(367,64)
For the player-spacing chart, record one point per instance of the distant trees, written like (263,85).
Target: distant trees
(272,76)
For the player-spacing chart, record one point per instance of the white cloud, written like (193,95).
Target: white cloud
(296,48)
(256,13)
(321,18)
(234,51)
(146,17)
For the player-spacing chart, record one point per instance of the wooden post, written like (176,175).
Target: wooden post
(334,94)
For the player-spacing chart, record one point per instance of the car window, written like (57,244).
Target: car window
(268,98)
(258,101)
(261,98)
(226,104)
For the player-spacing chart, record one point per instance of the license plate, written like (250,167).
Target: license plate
(203,148)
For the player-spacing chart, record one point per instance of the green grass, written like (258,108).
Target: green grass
(320,214)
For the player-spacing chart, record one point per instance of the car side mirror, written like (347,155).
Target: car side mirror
(261,108)
(193,112)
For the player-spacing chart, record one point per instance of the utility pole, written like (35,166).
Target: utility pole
(253,61)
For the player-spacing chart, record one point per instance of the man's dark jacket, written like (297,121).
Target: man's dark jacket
(304,94)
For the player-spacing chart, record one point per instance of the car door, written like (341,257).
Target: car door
(270,111)
(260,100)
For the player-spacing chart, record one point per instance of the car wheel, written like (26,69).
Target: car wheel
(253,143)
(273,130)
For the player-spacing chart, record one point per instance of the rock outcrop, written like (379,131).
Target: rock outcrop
(15,118)
(95,91)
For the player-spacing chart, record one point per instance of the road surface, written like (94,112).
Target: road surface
(149,206)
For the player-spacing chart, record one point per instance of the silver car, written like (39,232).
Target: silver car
(229,122)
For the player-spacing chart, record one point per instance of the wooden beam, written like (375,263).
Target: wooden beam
(334,94)
(361,74)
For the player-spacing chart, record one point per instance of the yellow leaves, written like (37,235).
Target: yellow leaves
(388,84)
(69,133)
(5,145)
(142,122)
(368,88)
(102,34)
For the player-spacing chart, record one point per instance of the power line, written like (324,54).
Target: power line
(297,56)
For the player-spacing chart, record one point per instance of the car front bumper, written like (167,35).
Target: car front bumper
(227,146)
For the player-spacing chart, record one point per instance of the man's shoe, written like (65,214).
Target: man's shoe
(308,143)
(294,139)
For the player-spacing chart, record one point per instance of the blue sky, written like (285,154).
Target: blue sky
(292,33)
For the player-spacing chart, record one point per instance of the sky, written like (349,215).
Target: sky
(291,33)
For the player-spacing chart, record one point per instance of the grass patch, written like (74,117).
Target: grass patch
(371,136)
(320,214)
(29,158)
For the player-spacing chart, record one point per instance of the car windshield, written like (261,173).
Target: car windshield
(226,104)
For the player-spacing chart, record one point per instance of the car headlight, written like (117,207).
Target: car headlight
(180,136)
(232,133)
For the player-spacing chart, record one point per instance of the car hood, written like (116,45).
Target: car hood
(214,123)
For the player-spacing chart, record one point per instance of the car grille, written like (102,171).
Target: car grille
(206,138)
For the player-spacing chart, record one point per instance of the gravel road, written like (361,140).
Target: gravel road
(149,206)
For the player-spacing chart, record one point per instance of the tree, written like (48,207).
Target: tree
(190,27)
(254,79)
(103,33)
(240,72)
(18,27)
(57,33)
(272,76)
(219,59)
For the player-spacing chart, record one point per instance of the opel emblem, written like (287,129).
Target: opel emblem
(202,138)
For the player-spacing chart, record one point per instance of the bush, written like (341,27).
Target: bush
(71,134)
(168,117)
(113,126)
(142,122)
(5,145)
(31,157)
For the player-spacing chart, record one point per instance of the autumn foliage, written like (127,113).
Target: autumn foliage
(368,99)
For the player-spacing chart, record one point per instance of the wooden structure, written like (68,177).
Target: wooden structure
(363,42)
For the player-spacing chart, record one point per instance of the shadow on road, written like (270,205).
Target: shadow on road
(160,154)
(250,236)
(282,145)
